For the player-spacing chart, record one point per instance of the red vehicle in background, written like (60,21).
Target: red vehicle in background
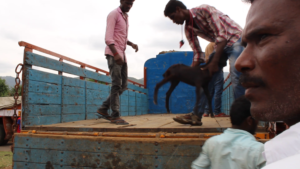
(6,115)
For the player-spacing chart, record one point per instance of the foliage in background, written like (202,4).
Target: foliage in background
(13,90)
(4,89)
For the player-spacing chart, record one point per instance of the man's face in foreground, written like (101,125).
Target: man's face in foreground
(270,62)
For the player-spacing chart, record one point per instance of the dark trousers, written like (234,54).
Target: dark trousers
(119,76)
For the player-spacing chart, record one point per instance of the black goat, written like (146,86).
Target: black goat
(193,76)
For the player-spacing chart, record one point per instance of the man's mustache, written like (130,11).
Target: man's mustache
(247,79)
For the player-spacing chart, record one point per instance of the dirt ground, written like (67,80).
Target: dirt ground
(6,157)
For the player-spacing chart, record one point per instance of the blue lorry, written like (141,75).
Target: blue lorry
(60,128)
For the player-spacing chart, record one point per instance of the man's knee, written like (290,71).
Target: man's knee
(116,88)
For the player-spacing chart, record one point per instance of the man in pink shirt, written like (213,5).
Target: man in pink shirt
(116,41)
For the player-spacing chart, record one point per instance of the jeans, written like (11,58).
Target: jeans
(119,78)
(215,90)
(232,53)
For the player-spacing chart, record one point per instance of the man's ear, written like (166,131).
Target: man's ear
(178,9)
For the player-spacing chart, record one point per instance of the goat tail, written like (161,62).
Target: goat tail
(155,93)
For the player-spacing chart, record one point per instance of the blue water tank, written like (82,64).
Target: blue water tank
(183,97)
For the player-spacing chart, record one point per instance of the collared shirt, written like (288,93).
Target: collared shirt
(117,32)
(213,26)
(292,162)
(234,149)
(284,145)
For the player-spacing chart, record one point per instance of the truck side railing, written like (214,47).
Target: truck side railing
(29,48)
(55,98)
(227,95)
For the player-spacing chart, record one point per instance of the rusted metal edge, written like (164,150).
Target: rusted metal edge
(61,58)
(227,86)
(129,135)
(227,78)
(133,130)
(128,130)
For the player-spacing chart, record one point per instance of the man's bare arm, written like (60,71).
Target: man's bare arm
(119,60)
(134,46)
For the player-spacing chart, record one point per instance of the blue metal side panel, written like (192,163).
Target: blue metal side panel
(98,152)
(145,105)
(124,106)
(42,98)
(42,61)
(41,120)
(136,88)
(74,70)
(67,81)
(42,110)
(96,94)
(227,98)
(40,76)
(97,76)
(26,165)
(73,100)
(139,103)
(181,100)
(132,103)
(51,98)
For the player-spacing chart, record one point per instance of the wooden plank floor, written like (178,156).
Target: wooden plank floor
(143,123)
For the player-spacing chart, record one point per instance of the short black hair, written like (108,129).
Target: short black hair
(171,7)
(240,111)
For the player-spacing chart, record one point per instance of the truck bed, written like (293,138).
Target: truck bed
(142,123)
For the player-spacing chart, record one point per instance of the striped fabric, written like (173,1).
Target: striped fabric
(211,25)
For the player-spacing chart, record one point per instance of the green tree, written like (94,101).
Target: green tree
(13,90)
(4,89)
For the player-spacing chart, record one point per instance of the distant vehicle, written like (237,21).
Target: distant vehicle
(6,114)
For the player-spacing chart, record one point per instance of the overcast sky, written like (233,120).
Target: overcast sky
(76,28)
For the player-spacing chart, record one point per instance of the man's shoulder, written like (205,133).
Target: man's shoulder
(114,12)
(203,7)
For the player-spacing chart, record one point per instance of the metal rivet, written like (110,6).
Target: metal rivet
(25,158)
(61,165)
(26,164)
(98,163)
(98,155)
(26,144)
(156,150)
(99,148)
(62,152)
(156,157)
(156,166)
(99,142)
(61,160)
(62,142)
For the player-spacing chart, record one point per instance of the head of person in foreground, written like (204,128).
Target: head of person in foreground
(240,115)
(270,62)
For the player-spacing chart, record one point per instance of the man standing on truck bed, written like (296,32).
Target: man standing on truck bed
(270,68)
(214,26)
(116,41)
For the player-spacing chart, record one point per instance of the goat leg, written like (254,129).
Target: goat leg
(168,94)
(198,95)
(158,85)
